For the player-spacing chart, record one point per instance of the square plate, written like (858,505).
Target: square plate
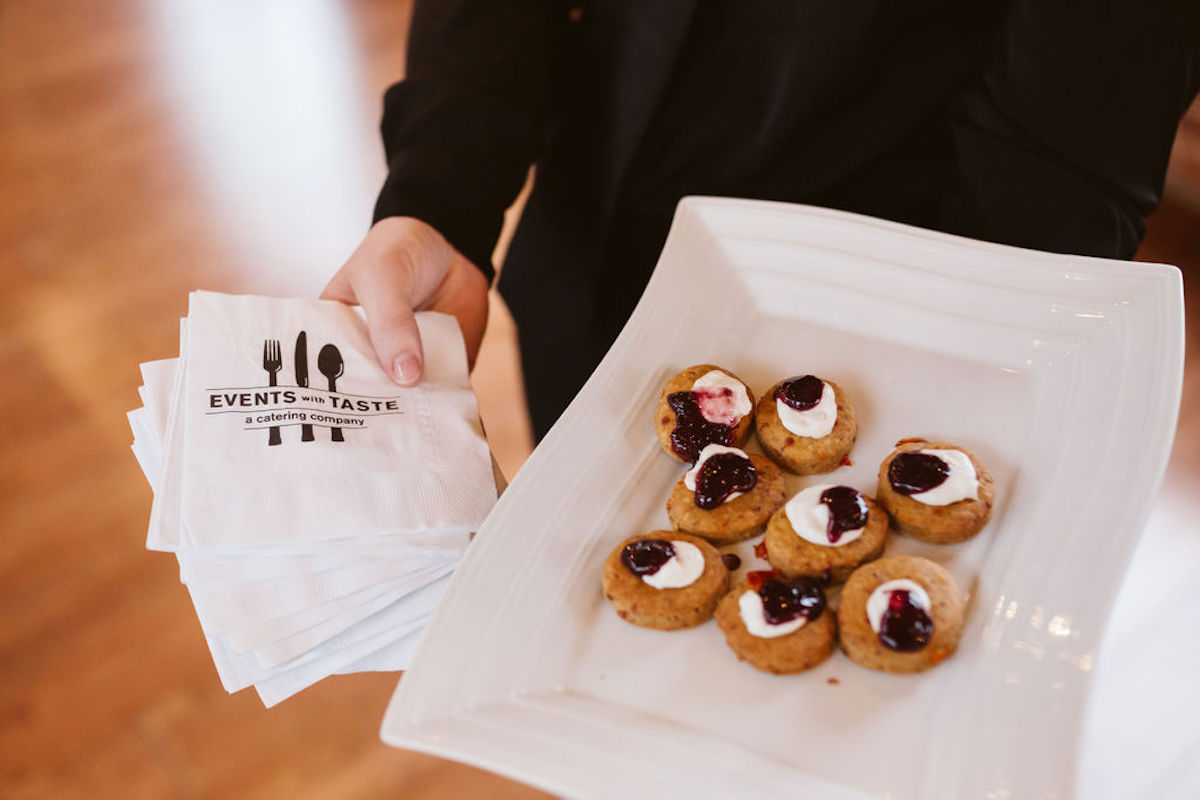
(1062,373)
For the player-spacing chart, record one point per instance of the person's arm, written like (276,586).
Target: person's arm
(460,133)
(1063,143)
(468,120)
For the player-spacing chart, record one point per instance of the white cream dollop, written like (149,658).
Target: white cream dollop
(681,569)
(815,422)
(715,405)
(689,477)
(962,483)
(810,518)
(877,603)
(750,606)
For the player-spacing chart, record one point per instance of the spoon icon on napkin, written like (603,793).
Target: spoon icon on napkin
(329,362)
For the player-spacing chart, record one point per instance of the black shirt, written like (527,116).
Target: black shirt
(1038,123)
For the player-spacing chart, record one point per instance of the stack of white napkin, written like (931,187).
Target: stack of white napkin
(316,508)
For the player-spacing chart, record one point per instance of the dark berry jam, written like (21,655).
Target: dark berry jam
(784,599)
(692,431)
(722,475)
(646,556)
(905,627)
(847,511)
(915,472)
(732,561)
(801,393)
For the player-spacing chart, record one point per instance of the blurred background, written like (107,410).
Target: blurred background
(151,147)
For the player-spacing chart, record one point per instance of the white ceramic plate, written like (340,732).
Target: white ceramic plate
(1062,373)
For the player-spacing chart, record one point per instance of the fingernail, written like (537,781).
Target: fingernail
(407,368)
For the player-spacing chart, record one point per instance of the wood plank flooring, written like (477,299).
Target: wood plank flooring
(148,148)
(110,213)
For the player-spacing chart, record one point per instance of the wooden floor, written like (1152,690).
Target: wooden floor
(146,149)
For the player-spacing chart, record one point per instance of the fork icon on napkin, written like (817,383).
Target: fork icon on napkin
(272,363)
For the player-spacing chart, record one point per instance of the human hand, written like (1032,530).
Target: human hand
(404,265)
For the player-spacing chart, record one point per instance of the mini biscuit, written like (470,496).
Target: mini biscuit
(947,524)
(794,652)
(794,555)
(664,415)
(805,455)
(639,603)
(733,520)
(947,608)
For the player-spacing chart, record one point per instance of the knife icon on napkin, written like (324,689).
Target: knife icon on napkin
(301,364)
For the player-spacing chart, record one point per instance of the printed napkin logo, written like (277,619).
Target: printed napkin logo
(273,407)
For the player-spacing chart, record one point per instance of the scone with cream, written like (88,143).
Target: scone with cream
(777,624)
(727,496)
(806,424)
(664,580)
(900,614)
(824,532)
(703,405)
(935,491)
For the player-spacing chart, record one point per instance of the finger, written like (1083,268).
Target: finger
(385,298)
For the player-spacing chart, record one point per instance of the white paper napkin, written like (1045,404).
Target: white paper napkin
(229,607)
(305,554)
(163,533)
(244,567)
(409,458)
(336,616)
(241,670)
(391,657)
(282,651)
(283,685)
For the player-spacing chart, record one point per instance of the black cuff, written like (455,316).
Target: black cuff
(416,193)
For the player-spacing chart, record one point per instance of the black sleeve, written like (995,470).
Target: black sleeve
(462,129)
(1063,143)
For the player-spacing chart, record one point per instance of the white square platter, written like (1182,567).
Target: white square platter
(1062,373)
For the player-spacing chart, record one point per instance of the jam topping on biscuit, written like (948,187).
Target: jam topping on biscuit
(692,431)
(847,511)
(829,516)
(905,627)
(935,477)
(646,556)
(898,611)
(720,474)
(806,406)
(801,393)
(916,472)
(775,606)
(784,600)
(664,564)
